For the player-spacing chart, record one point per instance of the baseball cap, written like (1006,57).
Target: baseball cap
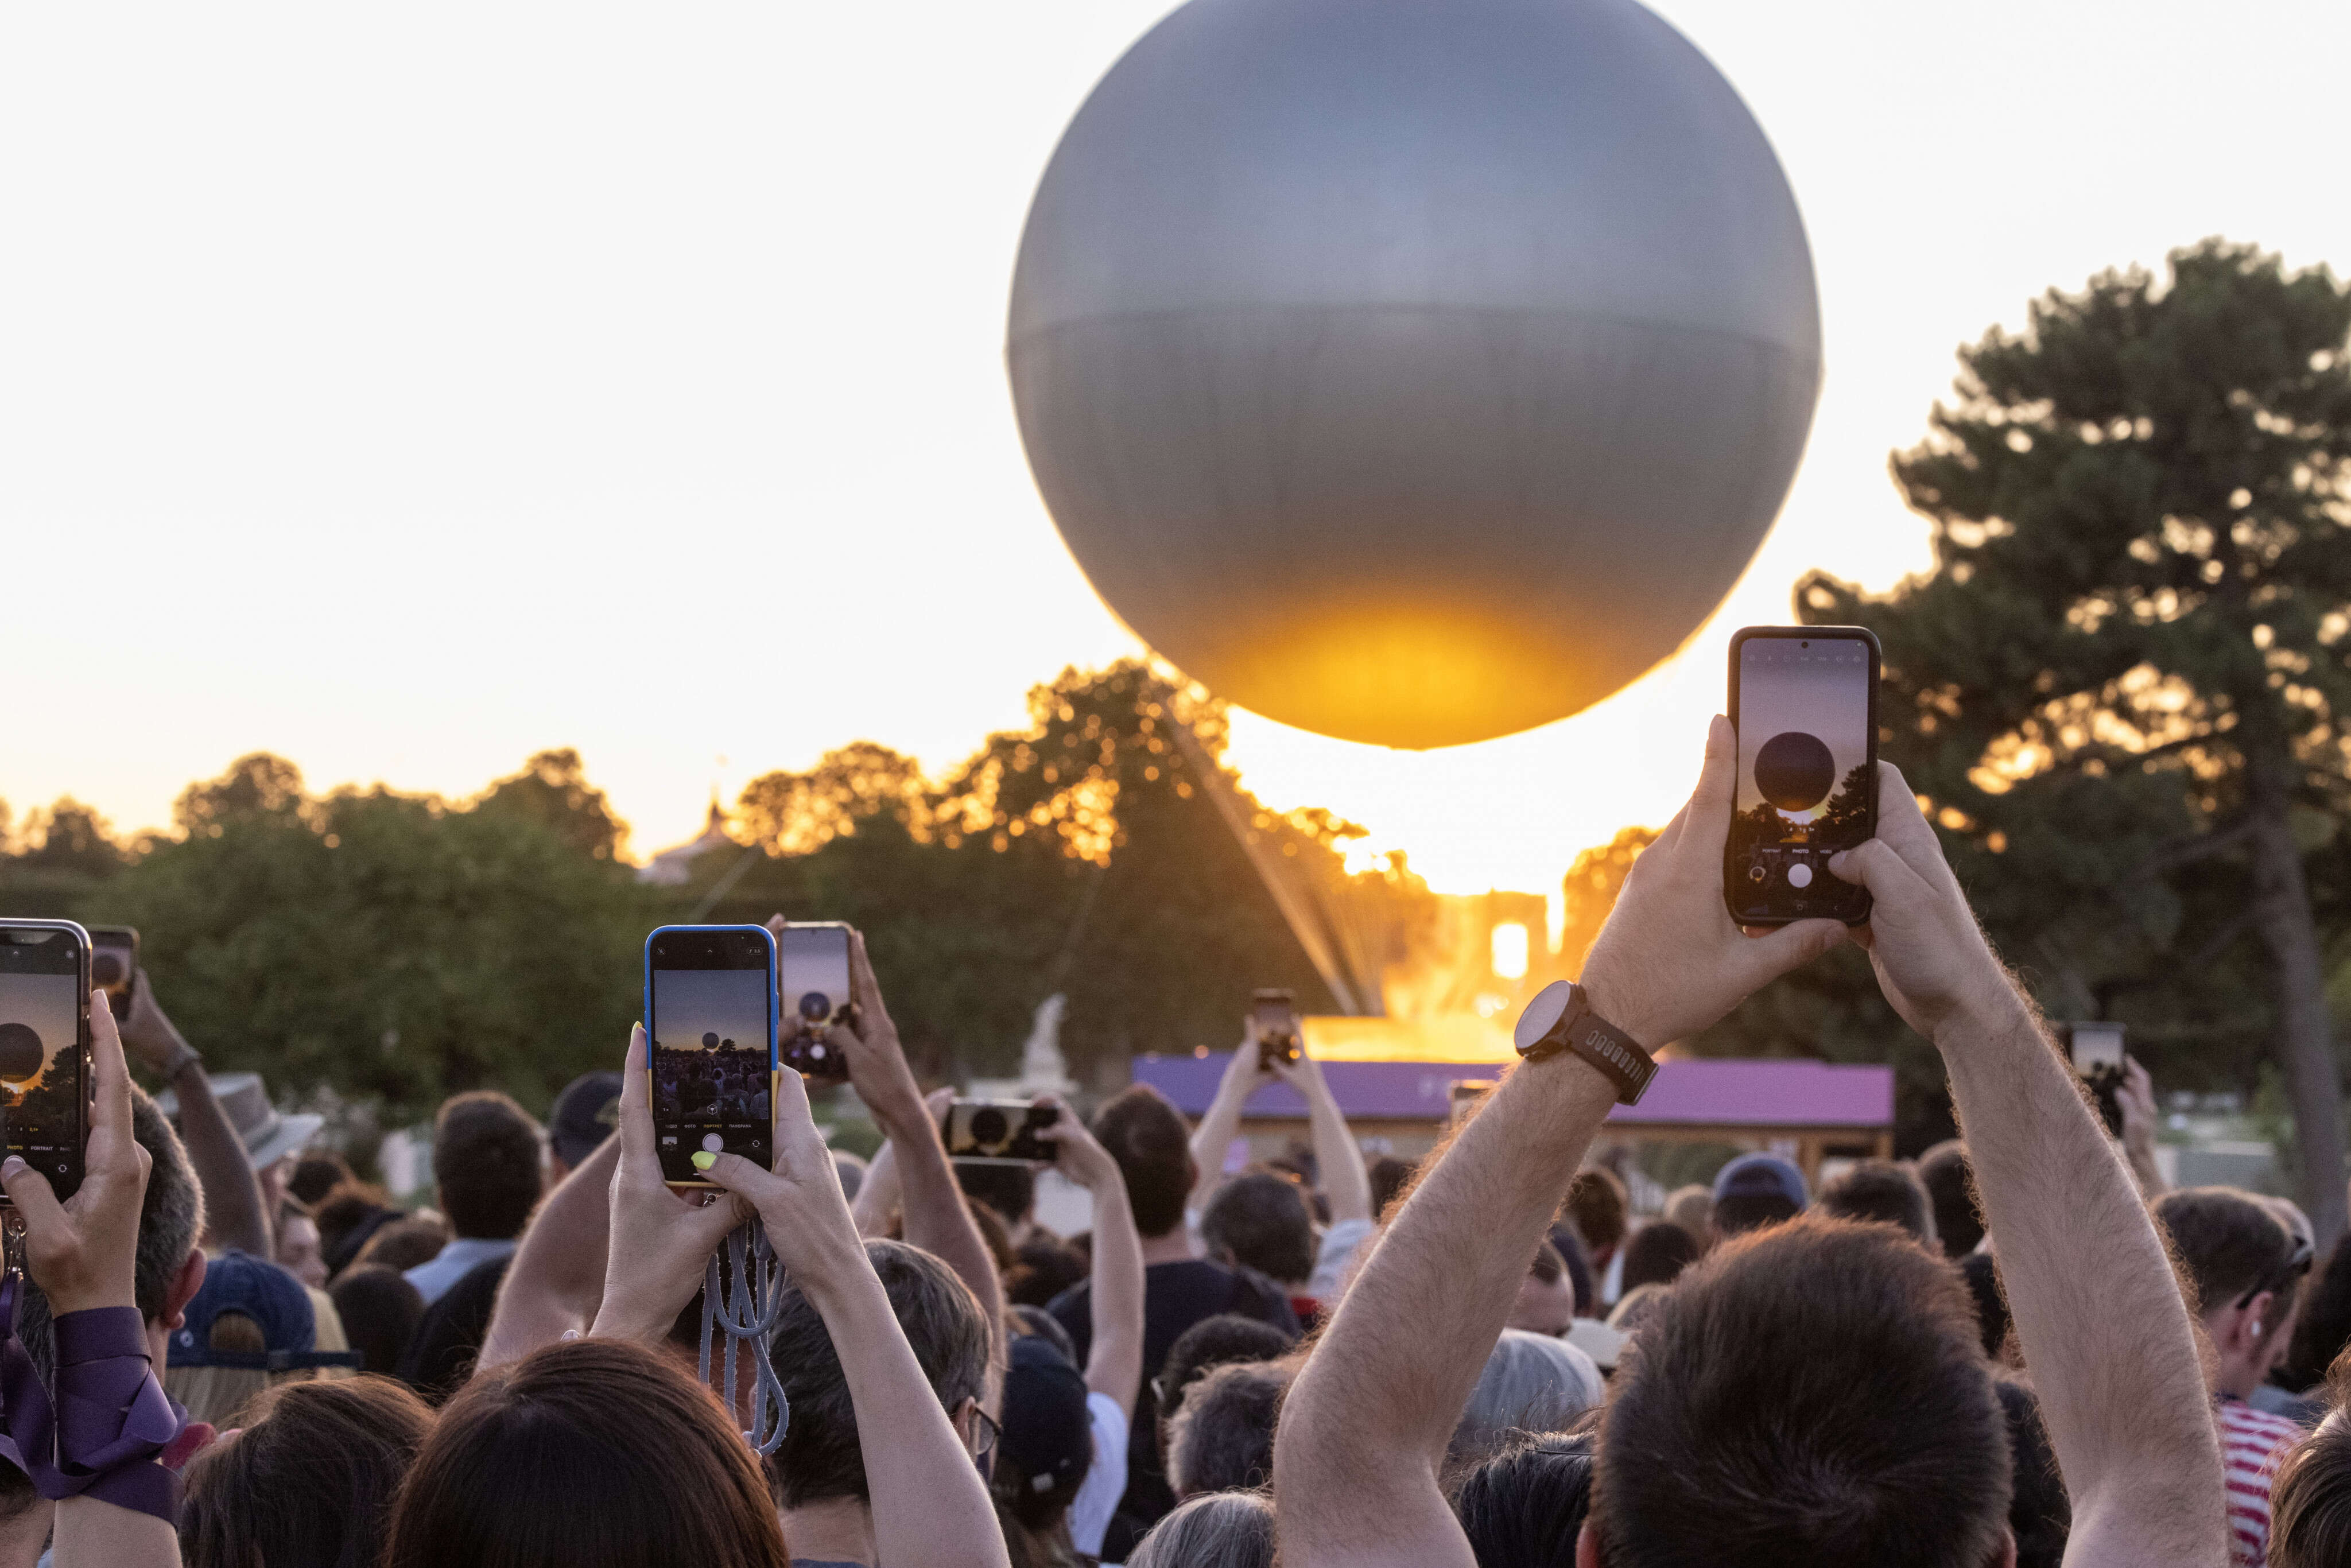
(275,1301)
(1761,1175)
(1047,1430)
(585,1114)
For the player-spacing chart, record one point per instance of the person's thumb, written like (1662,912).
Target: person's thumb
(30,1191)
(743,1178)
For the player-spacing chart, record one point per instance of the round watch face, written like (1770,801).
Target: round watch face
(1543,1013)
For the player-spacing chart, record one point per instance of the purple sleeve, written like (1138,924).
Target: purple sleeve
(110,1417)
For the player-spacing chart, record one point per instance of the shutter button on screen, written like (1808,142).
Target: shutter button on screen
(1800,875)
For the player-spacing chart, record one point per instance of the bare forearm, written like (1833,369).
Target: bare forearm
(930,1506)
(1338,1161)
(233,1215)
(1220,1126)
(936,1219)
(557,1279)
(877,1195)
(1410,1339)
(2097,1307)
(1114,1360)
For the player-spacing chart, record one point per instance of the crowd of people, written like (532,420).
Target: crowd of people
(228,1350)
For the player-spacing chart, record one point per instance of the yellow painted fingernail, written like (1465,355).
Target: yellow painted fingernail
(704,1159)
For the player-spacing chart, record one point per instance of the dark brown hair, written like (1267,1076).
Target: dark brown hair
(1883,1191)
(1657,1254)
(2229,1244)
(1811,1394)
(485,1163)
(586,1454)
(310,1480)
(1146,1136)
(2309,1502)
(1596,1204)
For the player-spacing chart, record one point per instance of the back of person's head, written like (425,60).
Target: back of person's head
(1980,1273)
(1547,1300)
(1879,1191)
(2310,1499)
(380,1310)
(1047,1445)
(1021,1318)
(1692,1208)
(1757,1190)
(821,1459)
(1215,1529)
(1212,1342)
(1222,1439)
(349,1216)
(448,1338)
(2040,1513)
(485,1164)
(1596,1205)
(1950,1186)
(2323,1328)
(587,1452)
(2231,1244)
(1532,1382)
(316,1175)
(1260,1219)
(405,1242)
(1657,1254)
(1146,1136)
(1390,1175)
(1636,1306)
(1523,1505)
(1043,1266)
(1811,1394)
(310,1480)
(248,1307)
(1010,1190)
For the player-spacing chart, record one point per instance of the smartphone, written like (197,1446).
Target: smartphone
(114,964)
(2099,1056)
(1275,1013)
(710,1013)
(1805,702)
(45,1074)
(814,965)
(998,1132)
(1465,1094)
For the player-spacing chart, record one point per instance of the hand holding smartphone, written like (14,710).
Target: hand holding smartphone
(45,1044)
(1803,700)
(1273,1020)
(710,1016)
(2099,1061)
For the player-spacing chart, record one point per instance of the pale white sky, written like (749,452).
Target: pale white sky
(377,386)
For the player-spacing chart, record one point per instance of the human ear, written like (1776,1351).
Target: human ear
(1587,1545)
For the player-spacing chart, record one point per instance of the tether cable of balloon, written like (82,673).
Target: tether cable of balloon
(745,1308)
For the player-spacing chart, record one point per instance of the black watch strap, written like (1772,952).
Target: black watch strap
(1559,1020)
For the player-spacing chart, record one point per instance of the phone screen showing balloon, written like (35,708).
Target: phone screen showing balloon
(1805,702)
(710,1010)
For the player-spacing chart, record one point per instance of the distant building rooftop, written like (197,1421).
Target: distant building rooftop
(1730,1092)
(673,867)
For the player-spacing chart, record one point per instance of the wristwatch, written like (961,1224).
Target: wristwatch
(1560,1018)
(183,1056)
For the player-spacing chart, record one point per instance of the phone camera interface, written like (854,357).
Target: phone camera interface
(1805,787)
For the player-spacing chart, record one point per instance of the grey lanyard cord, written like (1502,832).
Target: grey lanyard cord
(747,1315)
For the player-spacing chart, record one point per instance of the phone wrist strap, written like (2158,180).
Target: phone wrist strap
(110,1421)
(744,1302)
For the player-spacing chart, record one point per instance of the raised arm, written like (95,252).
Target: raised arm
(1244,1076)
(556,1278)
(233,1216)
(1337,1159)
(2097,1310)
(930,1507)
(1408,1341)
(82,1252)
(931,1201)
(1114,1357)
(877,1196)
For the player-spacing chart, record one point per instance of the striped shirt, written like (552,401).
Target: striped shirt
(2252,1442)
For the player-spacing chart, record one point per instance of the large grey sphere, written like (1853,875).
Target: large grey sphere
(1414,370)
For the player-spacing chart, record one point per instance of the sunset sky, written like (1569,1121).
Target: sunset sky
(379,386)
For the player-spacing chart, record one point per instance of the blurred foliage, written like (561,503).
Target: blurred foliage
(2126,666)
(395,948)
